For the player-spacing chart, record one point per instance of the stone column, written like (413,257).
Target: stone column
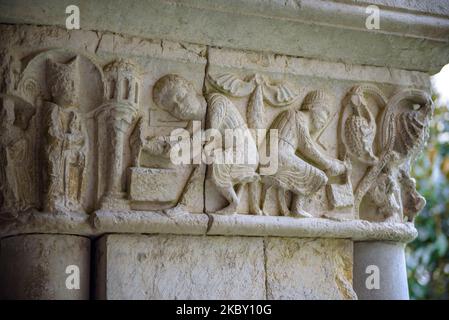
(45,266)
(117,121)
(379,271)
(114,121)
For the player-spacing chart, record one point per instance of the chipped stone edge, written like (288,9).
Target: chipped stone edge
(146,222)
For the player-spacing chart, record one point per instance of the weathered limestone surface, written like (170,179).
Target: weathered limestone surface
(309,269)
(92,120)
(413,35)
(34,266)
(217,267)
(180,267)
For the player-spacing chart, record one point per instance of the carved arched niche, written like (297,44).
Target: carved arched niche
(64,87)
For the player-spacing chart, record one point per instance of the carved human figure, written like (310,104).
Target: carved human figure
(178,97)
(66,139)
(16,170)
(395,196)
(412,201)
(296,132)
(223,116)
(386,196)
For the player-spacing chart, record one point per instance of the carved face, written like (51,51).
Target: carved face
(319,118)
(63,82)
(75,123)
(412,201)
(178,97)
(7,117)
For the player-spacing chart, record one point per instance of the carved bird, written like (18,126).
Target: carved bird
(360,130)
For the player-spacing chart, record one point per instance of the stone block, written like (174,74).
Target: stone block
(219,267)
(180,267)
(156,185)
(309,269)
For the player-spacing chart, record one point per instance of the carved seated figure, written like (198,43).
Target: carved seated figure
(395,196)
(178,97)
(303,175)
(412,201)
(386,196)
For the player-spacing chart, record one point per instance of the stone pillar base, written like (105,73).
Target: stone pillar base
(383,259)
(220,267)
(34,266)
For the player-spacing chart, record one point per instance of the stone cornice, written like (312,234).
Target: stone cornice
(412,36)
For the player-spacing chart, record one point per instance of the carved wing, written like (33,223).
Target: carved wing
(231,84)
(411,125)
(279,95)
(217,112)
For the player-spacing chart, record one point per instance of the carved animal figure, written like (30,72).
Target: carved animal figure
(360,129)
(404,133)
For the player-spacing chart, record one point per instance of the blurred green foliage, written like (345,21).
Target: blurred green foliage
(428,255)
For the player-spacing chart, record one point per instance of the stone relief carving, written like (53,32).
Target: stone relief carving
(385,194)
(260,90)
(46,108)
(17,156)
(404,122)
(66,139)
(360,128)
(262,93)
(49,121)
(10,69)
(223,115)
(168,186)
(115,119)
(412,202)
(302,176)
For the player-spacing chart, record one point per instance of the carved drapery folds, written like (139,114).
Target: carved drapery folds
(46,146)
(17,156)
(76,137)
(66,140)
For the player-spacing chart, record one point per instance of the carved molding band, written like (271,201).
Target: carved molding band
(103,222)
